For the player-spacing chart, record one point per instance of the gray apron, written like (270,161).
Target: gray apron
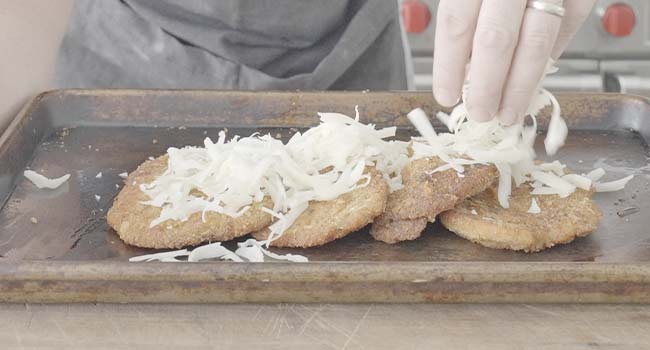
(234,44)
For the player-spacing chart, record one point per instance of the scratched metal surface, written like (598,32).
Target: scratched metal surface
(87,132)
(325,326)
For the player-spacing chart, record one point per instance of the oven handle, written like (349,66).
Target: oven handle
(628,84)
(557,82)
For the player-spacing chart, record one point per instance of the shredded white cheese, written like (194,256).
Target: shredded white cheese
(534,208)
(320,164)
(555,166)
(509,148)
(557,128)
(98,197)
(123,175)
(579,181)
(596,174)
(164,256)
(248,251)
(251,253)
(420,120)
(553,181)
(212,251)
(41,181)
(251,244)
(613,185)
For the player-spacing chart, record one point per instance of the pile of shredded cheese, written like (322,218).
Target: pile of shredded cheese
(320,164)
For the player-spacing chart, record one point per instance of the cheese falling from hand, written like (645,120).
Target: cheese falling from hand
(509,148)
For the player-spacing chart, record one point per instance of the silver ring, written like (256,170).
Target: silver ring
(546,6)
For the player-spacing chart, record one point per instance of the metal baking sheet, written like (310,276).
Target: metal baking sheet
(71,255)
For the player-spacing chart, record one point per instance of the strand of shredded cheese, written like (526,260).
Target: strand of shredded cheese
(41,181)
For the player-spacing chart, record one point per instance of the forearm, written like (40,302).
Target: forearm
(30,35)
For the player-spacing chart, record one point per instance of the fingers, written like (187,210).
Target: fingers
(509,52)
(496,36)
(577,12)
(455,27)
(536,39)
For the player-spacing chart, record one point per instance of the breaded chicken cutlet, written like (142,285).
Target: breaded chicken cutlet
(321,223)
(131,218)
(425,195)
(483,220)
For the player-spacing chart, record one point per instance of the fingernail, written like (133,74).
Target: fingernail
(446,98)
(508,116)
(480,114)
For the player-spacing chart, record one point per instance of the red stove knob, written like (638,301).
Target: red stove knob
(416,16)
(619,20)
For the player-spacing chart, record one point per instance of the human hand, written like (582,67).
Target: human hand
(509,44)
